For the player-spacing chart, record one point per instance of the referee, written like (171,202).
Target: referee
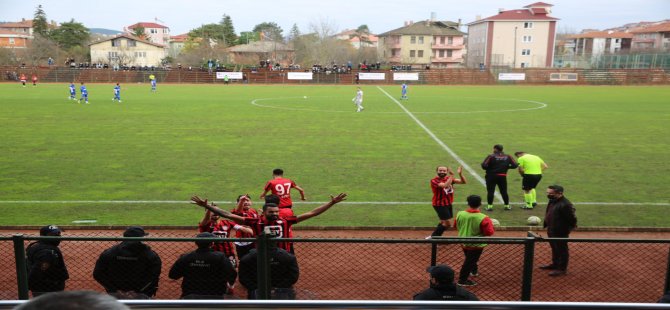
(496,166)
(530,168)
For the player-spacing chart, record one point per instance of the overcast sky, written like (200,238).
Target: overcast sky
(380,16)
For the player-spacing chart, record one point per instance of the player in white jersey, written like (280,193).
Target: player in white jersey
(358,100)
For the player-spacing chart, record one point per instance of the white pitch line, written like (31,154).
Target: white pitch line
(442,144)
(594,203)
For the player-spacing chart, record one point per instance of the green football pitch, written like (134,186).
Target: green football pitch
(139,161)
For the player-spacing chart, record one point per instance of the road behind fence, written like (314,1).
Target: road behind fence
(600,270)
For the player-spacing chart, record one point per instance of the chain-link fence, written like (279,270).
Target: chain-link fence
(384,269)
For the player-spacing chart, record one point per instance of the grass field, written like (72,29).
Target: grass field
(606,145)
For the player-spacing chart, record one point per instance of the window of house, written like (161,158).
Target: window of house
(393,53)
(449,53)
(420,53)
(617,40)
(527,39)
(441,40)
(450,40)
(116,42)
(11,41)
(528,25)
(154,31)
(421,40)
(412,40)
(131,43)
(525,52)
(441,53)
(412,53)
(525,65)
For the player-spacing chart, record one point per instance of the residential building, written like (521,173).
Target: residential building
(652,37)
(438,44)
(125,49)
(25,27)
(515,38)
(368,40)
(153,32)
(177,44)
(254,52)
(11,39)
(596,43)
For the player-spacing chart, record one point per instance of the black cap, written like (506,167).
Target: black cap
(50,230)
(204,243)
(442,273)
(135,231)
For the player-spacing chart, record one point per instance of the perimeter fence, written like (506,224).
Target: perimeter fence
(600,270)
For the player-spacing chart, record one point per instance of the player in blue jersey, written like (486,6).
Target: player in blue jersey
(152,78)
(117,93)
(73,91)
(404,92)
(84,93)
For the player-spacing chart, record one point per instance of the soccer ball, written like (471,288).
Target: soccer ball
(533,220)
(305,97)
(495,222)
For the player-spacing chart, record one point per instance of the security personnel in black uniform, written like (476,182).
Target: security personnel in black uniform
(496,166)
(46,268)
(130,266)
(207,274)
(442,286)
(284,272)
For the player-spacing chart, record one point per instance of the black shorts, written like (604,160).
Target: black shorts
(530,181)
(444,212)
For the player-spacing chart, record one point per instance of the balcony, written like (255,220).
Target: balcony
(394,59)
(447,46)
(393,45)
(446,60)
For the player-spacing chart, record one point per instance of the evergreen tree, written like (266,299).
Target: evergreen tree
(40,25)
(294,33)
(228,30)
(271,31)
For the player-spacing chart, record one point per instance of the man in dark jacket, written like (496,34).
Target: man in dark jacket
(442,286)
(130,266)
(46,268)
(207,273)
(496,166)
(284,272)
(559,220)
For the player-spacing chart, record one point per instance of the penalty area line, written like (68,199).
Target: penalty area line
(439,142)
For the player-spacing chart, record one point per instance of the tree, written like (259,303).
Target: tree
(228,31)
(294,33)
(363,35)
(40,25)
(270,31)
(70,34)
(139,32)
(208,32)
(38,50)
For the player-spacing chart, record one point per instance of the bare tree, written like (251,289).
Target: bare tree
(39,49)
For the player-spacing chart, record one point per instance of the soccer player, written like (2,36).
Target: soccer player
(530,168)
(84,93)
(73,91)
(358,100)
(34,79)
(403,91)
(117,93)
(496,166)
(281,186)
(443,196)
(244,209)
(472,223)
(270,219)
(223,229)
(22,78)
(152,78)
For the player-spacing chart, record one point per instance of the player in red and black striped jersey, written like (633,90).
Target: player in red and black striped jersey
(223,229)
(244,209)
(443,196)
(270,216)
(281,186)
